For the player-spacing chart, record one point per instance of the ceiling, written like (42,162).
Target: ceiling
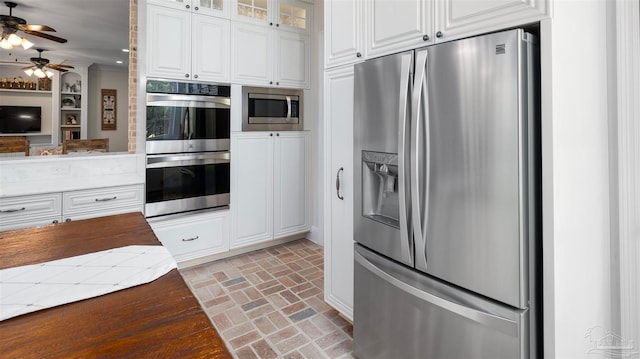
(96,30)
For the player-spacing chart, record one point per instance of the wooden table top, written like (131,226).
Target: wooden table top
(161,319)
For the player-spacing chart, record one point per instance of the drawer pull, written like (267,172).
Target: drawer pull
(106,199)
(190,239)
(13,210)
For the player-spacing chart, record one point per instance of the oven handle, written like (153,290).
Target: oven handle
(191,159)
(188,101)
(288,109)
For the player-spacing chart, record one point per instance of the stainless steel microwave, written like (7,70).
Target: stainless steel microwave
(271,109)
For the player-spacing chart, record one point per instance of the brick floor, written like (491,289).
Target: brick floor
(270,304)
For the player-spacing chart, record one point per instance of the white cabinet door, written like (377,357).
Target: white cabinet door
(168,42)
(291,183)
(398,25)
(100,202)
(211,48)
(343,32)
(338,214)
(462,18)
(251,48)
(30,211)
(194,236)
(175,4)
(251,188)
(292,60)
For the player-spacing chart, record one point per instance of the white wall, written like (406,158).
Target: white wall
(575,177)
(108,79)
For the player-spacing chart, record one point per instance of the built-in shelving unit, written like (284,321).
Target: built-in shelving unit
(71,106)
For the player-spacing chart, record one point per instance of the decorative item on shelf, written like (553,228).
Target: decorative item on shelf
(109,97)
(76,98)
(70,119)
(4,83)
(68,102)
(44,84)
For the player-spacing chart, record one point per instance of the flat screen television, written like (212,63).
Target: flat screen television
(20,119)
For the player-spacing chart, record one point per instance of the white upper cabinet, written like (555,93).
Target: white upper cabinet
(269,58)
(343,32)
(398,25)
(290,15)
(394,26)
(462,18)
(182,45)
(219,8)
(251,53)
(211,46)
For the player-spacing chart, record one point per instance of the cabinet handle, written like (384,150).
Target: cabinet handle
(68,220)
(358,55)
(55,221)
(186,75)
(439,34)
(277,25)
(106,199)
(338,184)
(195,76)
(188,6)
(425,38)
(278,134)
(271,134)
(270,82)
(278,83)
(270,24)
(190,239)
(196,8)
(14,210)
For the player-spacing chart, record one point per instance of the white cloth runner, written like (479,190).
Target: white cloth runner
(34,287)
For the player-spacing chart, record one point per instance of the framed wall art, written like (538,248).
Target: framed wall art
(109,98)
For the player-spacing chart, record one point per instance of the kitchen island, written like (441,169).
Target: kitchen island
(161,319)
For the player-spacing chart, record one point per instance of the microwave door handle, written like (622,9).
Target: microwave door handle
(288,108)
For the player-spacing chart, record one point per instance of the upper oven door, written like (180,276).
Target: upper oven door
(187,123)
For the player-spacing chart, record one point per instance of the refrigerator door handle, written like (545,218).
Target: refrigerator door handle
(406,239)
(504,325)
(419,91)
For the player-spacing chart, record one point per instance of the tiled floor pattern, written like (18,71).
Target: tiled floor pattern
(269,304)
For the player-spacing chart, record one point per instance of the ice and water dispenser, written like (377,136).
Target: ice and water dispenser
(380,187)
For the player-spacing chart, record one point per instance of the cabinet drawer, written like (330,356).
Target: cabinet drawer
(103,199)
(24,208)
(195,235)
(33,222)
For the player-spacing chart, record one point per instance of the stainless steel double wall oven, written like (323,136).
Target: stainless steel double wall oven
(187,147)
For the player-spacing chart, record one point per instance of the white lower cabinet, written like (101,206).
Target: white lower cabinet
(194,236)
(339,189)
(100,202)
(41,209)
(30,211)
(270,195)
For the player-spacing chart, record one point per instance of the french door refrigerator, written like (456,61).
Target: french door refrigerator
(447,213)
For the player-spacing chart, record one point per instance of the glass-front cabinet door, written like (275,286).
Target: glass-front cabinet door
(284,14)
(294,15)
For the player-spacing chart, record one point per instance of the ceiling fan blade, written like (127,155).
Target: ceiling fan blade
(60,67)
(46,36)
(31,27)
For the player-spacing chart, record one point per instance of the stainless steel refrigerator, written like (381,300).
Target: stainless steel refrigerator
(447,213)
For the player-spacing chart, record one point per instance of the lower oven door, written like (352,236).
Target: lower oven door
(178,183)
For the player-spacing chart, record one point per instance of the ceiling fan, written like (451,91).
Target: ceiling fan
(11,24)
(41,66)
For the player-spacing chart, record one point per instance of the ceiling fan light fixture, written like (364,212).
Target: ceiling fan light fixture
(14,40)
(39,73)
(5,44)
(26,44)
(48,73)
(29,71)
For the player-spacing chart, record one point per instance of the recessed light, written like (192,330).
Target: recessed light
(118,62)
(125,50)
